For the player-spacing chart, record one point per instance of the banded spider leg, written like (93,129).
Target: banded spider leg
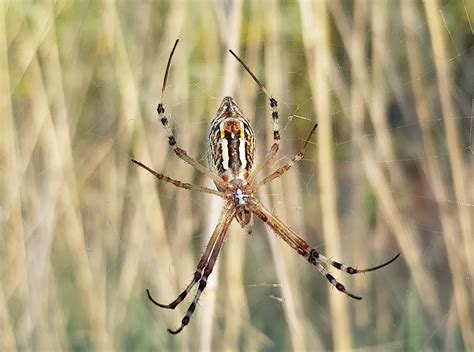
(181,153)
(204,267)
(303,248)
(275,117)
(231,145)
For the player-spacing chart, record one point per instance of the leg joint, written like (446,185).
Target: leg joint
(351,270)
(202,284)
(185,321)
(197,275)
(273,103)
(313,256)
(160,109)
(171,141)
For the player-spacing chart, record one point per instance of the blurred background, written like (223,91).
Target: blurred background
(84,232)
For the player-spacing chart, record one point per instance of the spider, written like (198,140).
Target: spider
(233,170)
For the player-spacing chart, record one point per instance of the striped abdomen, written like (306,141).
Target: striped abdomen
(231,142)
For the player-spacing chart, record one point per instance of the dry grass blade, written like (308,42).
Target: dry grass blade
(317,47)
(83,231)
(461,292)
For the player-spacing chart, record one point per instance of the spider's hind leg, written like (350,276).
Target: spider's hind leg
(181,153)
(303,248)
(340,287)
(220,232)
(182,295)
(348,269)
(224,222)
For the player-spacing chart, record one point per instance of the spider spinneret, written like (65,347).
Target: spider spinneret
(231,143)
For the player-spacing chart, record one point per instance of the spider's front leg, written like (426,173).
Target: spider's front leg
(303,248)
(181,153)
(276,128)
(276,141)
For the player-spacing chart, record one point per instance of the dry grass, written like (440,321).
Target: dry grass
(83,232)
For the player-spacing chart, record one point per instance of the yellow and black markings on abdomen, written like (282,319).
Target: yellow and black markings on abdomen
(232,143)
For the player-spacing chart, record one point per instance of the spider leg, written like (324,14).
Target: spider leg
(181,153)
(276,141)
(303,248)
(220,232)
(177,183)
(282,169)
(276,129)
(342,267)
(223,223)
(340,287)
(182,295)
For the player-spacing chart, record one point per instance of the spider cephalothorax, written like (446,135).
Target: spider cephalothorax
(240,193)
(231,147)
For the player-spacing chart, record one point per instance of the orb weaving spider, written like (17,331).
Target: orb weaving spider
(231,161)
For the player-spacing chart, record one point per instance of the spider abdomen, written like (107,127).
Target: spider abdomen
(231,142)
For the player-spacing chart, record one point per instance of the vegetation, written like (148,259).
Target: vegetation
(83,232)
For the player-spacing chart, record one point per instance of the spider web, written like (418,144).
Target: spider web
(409,158)
(411,192)
(139,234)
